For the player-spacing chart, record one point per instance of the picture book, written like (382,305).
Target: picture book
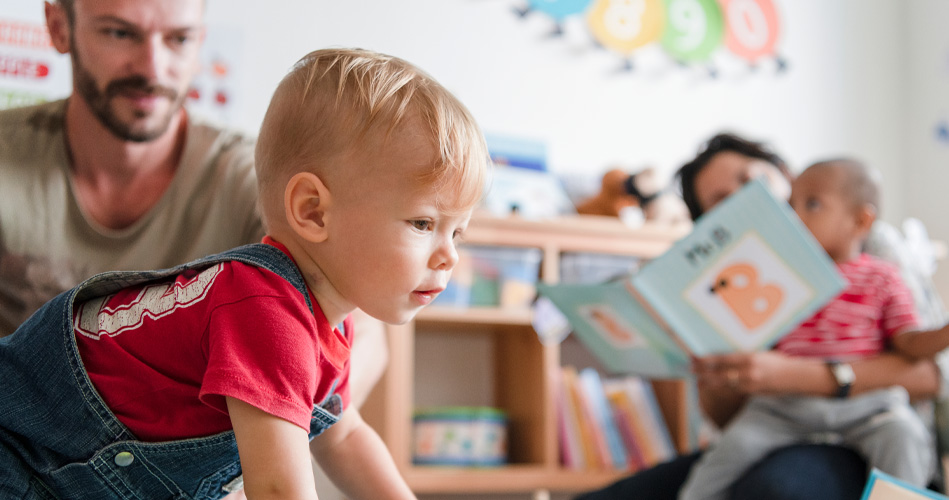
(747,273)
(881,486)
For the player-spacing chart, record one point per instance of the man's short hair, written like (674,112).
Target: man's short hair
(69,6)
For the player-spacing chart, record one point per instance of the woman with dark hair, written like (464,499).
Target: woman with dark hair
(727,162)
(799,472)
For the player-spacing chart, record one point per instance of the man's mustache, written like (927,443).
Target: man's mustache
(139,84)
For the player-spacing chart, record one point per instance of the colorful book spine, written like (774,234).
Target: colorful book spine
(571,449)
(645,398)
(603,417)
(625,417)
(591,457)
(638,425)
(610,423)
(602,458)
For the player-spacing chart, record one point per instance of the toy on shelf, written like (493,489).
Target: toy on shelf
(621,191)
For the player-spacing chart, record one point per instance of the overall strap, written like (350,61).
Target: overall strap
(256,254)
(42,357)
(271,258)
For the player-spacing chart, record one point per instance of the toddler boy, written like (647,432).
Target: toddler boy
(174,383)
(838,201)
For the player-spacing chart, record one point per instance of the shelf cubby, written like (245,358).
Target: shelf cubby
(492,356)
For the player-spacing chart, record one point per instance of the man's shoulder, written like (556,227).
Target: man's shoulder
(45,117)
(220,149)
(32,136)
(216,136)
(213,151)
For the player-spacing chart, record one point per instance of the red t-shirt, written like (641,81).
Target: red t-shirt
(163,356)
(875,306)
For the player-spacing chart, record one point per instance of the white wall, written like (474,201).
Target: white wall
(854,68)
(842,92)
(925,159)
(865,78)
(846,91)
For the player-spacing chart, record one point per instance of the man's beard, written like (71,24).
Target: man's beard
(99,102)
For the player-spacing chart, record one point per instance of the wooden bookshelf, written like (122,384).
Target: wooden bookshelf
(525,370)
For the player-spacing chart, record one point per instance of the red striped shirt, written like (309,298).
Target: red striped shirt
(859,323)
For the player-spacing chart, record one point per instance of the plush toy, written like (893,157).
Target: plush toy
(620,191)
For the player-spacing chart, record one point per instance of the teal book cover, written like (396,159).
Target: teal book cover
(747,273)
(882,486)
(617,329)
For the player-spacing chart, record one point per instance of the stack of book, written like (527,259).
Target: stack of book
(610,423)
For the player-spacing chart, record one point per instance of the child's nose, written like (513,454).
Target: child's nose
(445,256)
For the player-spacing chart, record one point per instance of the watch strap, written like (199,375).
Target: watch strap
(844,376)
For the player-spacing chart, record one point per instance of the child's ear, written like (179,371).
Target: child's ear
(307,202)
(866,216)
(58,26)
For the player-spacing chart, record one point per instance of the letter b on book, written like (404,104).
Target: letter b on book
(752,301)
(767,277)
(748,292)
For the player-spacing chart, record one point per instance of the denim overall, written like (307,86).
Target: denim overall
(59,440)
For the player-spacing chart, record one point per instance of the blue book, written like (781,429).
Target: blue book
(593,387)
(748,273)
(882,486)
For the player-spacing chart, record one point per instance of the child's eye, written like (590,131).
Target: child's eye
(457,235)
(422,225)
(811,204)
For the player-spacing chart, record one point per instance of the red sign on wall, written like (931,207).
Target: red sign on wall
(23,67)
(24,35)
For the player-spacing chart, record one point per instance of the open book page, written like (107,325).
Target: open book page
(748,273)
(617,329)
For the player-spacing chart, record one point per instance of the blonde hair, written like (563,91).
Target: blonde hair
(333,101)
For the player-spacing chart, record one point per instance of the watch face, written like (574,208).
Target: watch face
(844,374)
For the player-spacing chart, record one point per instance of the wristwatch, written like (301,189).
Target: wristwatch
(843,374)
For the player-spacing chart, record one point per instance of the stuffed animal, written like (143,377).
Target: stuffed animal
(620,191)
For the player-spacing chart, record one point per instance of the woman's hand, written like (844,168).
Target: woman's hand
(770,372)
(765,372)
(726,380)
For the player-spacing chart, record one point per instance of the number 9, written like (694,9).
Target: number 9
(694,29)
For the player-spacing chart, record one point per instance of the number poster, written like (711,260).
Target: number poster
(688,31)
